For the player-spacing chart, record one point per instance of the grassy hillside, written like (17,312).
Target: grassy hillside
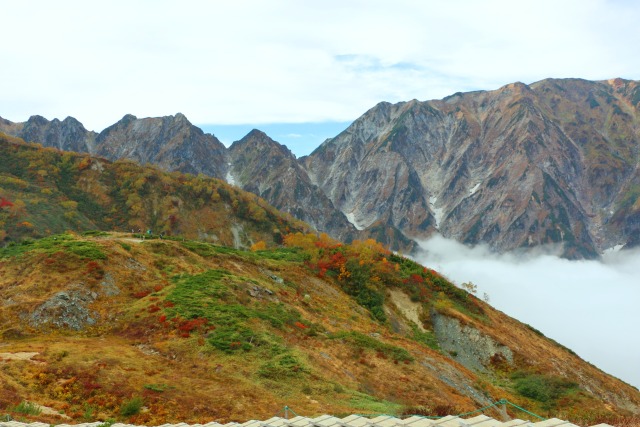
(227,310)
(108,326)
(45,191)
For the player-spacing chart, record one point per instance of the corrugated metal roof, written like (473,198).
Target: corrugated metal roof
(349,421)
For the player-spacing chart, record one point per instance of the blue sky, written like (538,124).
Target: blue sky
(300,138)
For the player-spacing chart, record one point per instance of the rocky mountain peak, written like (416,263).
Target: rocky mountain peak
(37,120)
(552,162)
(171,142)
(520,166)
(261,142)
(68,135)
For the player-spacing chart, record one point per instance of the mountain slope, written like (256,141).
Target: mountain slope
(47,191)
(264,167)
(553,163)
(550,163)
(68,134)
(198,332)
(170,142)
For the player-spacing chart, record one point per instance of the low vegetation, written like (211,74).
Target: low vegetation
(255,315)
(44,191)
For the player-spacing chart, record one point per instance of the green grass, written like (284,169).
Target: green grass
(95,233)
(363,341)
(284,366)
(284,254)
(369,404)
(157,387)
(209,250)
(125,246)
(131,407)
(212,296)
(25,408)
(50,245)
(542,388)
(428,338)
(278,254)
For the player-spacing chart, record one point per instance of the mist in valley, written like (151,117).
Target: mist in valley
(592,307)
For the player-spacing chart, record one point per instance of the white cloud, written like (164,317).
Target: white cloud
(286,61)
(589,306)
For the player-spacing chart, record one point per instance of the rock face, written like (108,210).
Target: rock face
(266,168)
(551,163)
(468,345)
(66,135)
(66,310)
(170,142)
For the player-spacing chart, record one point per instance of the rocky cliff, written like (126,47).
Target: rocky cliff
(68,134)
(555,162)
(170,142)
(551,163)
(266,168)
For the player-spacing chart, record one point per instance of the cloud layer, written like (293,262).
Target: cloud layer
(251,61)
(592,307)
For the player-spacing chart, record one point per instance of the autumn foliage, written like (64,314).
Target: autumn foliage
(45,191)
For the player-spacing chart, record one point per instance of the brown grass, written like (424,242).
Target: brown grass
(130,352)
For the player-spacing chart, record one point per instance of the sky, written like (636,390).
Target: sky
(590,307)
(302,71)
(269,62)
(300,138)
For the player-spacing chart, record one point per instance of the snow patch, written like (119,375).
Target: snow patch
(229,178)
(473,190)
(351,217)
(438,213)
(613,249)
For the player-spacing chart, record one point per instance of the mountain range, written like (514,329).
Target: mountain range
(135,294)
(553,163)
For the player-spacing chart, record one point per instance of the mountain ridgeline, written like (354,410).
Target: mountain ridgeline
(551,163)
(45,191)
(147,296)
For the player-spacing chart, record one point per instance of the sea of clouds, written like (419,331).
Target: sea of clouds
(592,307)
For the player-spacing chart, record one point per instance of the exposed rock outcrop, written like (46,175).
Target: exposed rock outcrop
(550,163)
(467,345)
(66,310)
(170,142)
(556,162)
(266,168)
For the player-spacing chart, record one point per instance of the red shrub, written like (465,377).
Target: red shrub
(300,325)
(95,270)
(189,325)
(89,386)
(141,294)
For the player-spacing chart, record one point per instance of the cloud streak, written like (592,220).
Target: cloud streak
(588,306)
